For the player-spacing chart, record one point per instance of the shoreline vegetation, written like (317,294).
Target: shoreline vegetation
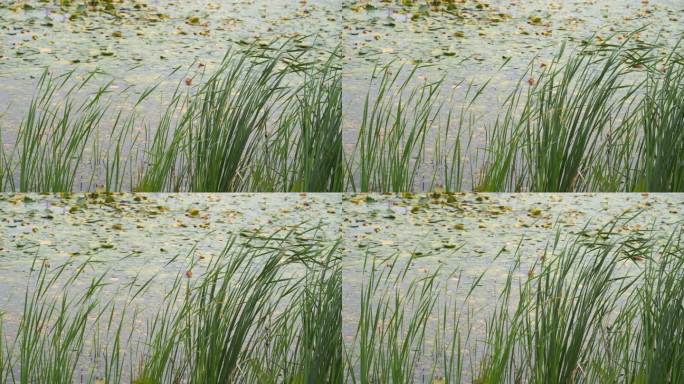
(597,118)
(247,127)
(592,309)
(601,304)
(264,310)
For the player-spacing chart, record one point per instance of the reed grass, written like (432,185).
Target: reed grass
(319,349)
(600,306)
(391,328)
(247,130)
(234,107)
(4,365)
(603,308)
(646,345)
(392,134)
(267,119)
(267,310)
(53,138)
(600,117)
(304,153)
(575,108)
(3,164)
(662,119)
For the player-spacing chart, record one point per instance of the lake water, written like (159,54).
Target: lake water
(141,46)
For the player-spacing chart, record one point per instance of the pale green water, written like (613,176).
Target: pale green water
(141,46)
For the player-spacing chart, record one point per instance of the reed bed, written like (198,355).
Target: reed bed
(597,118)
(592,309)
(268,119)
(265,311)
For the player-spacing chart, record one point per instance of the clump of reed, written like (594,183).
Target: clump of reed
(661,117)
(600,117)
(51,141)
(592,309)
(582,124)
(393,130)
(267,119)
(304,153)
(266,310)
(603,117)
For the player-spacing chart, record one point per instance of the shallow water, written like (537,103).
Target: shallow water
(497,40)
(141,46)
(141,233)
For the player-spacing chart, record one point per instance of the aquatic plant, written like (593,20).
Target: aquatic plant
(233,108)
(3,164)
(601,308)
(391,329)
(304,153)
(264,120)
(52,139)
(392,134)
(597,118)
(660,167)
(265,310)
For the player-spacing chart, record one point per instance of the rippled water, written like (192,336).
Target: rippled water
(142,46)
